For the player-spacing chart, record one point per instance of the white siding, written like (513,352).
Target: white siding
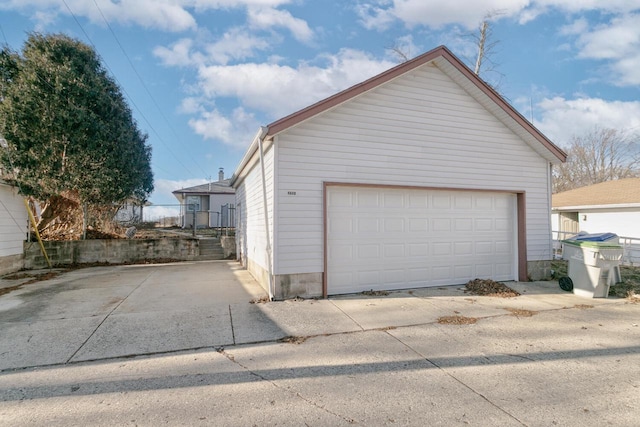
(420,129)
(623,222)
(216,201)
(13,221)
(251,232)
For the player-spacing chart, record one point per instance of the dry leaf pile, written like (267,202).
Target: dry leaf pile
(490,288)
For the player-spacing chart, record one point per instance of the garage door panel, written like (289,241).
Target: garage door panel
(463,224)
(484,248)
(367,199)
(368,225)
(484,224)
(393,239)
(441,249)
(394,250)
(503,224)
(504,248)
(484,202)
(441,273)
(463,202)
(503,271)
(339,224)
(485,270)
(441,201)
(463,271)
(439,225)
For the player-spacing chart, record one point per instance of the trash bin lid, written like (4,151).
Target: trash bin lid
(595,237)
(592,244)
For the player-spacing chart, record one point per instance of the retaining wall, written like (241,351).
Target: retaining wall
(114,251)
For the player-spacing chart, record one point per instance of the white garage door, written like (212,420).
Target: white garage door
(385,238)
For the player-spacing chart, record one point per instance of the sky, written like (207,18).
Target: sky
(201,76)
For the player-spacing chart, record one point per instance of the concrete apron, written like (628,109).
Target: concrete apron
(107,312)
(544,358)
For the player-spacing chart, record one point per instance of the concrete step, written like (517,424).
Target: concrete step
(210,249)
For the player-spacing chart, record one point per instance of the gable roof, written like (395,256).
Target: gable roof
(621,192)
(218,187)
(448,63)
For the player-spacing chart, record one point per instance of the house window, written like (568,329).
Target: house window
(193,203)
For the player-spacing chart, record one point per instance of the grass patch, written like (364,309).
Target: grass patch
(629,287)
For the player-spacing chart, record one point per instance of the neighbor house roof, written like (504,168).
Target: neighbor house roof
(618,193)
(456,70)
(218,187)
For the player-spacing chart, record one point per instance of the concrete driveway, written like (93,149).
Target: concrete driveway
(180,344)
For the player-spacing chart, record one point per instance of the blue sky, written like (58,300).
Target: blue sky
(201,76)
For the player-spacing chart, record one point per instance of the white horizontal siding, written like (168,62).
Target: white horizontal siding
(623,222)
(13,221)
(421,129)
(251,230)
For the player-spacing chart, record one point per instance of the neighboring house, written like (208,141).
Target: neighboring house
(130,212)
(212,203)
(612,206)
(420,176)
(13,229)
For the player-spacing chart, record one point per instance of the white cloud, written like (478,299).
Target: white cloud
(227,4)
(277,90)
(577,27)
(235,130)
(178,54)
(574,6)
(191,105)
(266,18)
(617,42)
(563,118)
(235,44)
(379,14)
(435,14)
(165,15)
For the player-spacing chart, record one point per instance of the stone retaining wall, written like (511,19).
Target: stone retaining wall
(114,251)
(228,244)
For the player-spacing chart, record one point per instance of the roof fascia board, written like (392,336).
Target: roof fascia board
(250,158)
(584,207)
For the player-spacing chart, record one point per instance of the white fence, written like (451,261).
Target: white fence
(630,245)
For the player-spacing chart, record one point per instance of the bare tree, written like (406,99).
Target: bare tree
(401,50)
(485,46)
(598,156)
(482,41)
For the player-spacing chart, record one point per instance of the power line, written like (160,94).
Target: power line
(125,91)
(3,35)
(144,85)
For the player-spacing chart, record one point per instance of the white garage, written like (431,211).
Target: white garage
(420,176)
(389,238)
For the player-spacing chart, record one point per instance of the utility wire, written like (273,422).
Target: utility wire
(144,85)
(3,35)
(126,93)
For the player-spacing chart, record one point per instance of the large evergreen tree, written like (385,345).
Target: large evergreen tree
(67,125)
